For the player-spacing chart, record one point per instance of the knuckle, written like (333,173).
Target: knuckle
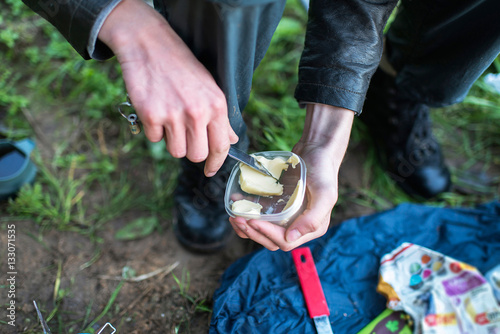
(220,149)
(148,116)
(170,117)
(313,226)
(156,117)
(219,104)
(334,195)
(322,230)
(194,112)
(215,102)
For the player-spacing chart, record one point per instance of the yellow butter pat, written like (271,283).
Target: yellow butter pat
(295,193)
(294,160)
(246,207)
(256,183)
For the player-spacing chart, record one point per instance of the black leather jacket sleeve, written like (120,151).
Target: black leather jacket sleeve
(73,18)
(344,42)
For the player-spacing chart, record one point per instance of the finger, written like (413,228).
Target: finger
(237,229)
(175,137)
(275,234)
(322,227)
(233,137)
(197,142)
(154,133)
(219,143)
(315,219)
(153,129)
(255,235)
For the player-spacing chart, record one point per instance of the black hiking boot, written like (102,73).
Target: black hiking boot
(402,132)
(201,222)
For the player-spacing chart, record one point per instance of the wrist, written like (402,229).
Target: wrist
(129,24)
(327,126)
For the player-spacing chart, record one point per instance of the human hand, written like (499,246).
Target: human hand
(322,147)
(174,95)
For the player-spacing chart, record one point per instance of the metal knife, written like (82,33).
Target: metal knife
(248,160)
(312,290)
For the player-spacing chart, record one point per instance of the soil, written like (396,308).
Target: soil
(87,275)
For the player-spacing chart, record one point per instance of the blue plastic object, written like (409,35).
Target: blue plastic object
(16,168)
(260,293)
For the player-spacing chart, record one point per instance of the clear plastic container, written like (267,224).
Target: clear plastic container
(272,206)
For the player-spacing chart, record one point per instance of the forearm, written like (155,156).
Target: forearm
(327,127)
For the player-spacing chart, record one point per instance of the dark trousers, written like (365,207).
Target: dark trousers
(438,47)
(230,38)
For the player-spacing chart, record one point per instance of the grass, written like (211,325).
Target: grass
(194,303)
(92,170)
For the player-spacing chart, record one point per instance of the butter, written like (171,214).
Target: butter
(266,197)
(275,166)
(256,183)
(294,160)
(246,207)
(292,199)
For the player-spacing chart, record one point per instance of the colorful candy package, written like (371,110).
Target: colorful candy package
(441,294)
(389,322)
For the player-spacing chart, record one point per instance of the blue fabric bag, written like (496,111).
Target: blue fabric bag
(260,293)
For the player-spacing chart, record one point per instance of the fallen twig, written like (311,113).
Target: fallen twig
(164,270)
(131,305)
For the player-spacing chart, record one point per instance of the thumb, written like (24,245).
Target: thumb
(315,220)
(305,224)
(233,137)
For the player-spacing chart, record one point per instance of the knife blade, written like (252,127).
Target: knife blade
(312,290)
(248,160)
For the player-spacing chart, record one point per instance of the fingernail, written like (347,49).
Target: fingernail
(209,174)
(293,235)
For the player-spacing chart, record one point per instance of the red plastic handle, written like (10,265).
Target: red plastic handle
(309,281)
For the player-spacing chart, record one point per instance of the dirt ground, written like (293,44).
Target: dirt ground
(87,277)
